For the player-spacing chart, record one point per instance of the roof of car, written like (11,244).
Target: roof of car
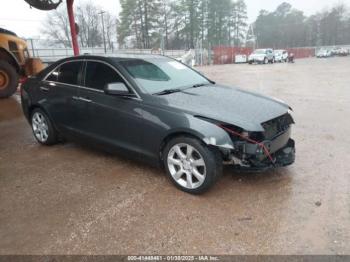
(121,56)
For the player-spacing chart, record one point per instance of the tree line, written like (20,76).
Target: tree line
(183,24)
(288,27)
(179,24)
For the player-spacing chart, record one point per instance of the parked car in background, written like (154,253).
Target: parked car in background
(159,110)
(340,51)
(343,52)
(281,55)
(240,59)
(262,56)
(322,53)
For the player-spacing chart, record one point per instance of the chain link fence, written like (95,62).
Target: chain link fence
(227,54)
(37,48)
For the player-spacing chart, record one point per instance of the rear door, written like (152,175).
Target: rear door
(62,89)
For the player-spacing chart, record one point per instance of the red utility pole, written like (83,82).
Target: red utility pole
(72,27)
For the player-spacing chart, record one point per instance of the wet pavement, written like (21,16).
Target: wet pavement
(69,199)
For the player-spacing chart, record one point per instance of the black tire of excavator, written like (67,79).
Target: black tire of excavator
(11,79)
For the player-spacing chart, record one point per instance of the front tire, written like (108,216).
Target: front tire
(192,166)
(42,127)
(8,80)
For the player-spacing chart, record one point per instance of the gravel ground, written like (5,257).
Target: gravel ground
(69,199)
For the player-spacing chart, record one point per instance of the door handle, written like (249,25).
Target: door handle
(45,89)
(81,99)
(85,99)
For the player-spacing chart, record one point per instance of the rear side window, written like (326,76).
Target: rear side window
(98,75)
(69,73)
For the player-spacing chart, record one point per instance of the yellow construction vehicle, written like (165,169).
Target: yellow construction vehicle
(15,62)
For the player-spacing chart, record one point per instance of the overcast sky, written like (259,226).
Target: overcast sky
(16,15)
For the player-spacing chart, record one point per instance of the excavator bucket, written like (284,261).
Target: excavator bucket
(44,4)
(33,66)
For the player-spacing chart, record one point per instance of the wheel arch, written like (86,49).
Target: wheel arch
(32,107)
(219,141)
(172,135)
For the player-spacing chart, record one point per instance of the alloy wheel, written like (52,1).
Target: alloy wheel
(186,165)
(40,127)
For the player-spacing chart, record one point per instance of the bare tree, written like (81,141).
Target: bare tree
(89,21)
(111,23)
(56,26)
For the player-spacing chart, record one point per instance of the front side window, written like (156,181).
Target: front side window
(69,73)
(98,75)
(159,74)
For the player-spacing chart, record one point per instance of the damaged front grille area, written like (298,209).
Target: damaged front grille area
(277,126)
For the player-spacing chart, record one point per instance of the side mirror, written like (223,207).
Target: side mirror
(116,89)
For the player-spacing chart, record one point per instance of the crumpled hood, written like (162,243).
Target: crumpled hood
(230,105)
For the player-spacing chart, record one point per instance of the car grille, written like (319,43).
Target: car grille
(277,126)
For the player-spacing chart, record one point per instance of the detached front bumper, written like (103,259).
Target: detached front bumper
(283,157)
(278,152)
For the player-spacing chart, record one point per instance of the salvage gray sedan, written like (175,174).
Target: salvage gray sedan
(156,109)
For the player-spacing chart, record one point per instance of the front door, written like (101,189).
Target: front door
(113,120)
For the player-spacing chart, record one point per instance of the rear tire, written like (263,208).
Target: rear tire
(42,127)
(266,60)
(191,166)
(8,79)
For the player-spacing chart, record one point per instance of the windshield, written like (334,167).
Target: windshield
(260,51)
(279,52)
(157,75)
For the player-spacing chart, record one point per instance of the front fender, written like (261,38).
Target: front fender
(208,132)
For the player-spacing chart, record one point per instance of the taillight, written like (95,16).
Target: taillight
(22,81)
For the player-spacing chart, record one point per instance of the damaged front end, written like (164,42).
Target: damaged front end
(261,150)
